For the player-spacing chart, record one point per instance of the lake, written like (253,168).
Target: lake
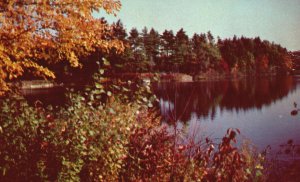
(260,107)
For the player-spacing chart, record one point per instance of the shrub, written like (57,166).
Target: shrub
(118,141)
(75,142)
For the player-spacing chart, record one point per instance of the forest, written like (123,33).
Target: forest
(201,55)
(109,129)
(148,51)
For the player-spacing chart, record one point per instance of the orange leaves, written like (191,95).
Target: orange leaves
(39,70)
(73,59)
(35,32)
(111,5)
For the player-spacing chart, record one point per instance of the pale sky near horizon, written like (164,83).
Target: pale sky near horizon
(275,20)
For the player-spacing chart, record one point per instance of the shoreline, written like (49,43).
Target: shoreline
(36,84)
(159,77)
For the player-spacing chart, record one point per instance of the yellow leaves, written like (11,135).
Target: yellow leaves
(51,32)
(39,70)
(259,166)
(3,87)
(111,6)
(73,59)
(9,69)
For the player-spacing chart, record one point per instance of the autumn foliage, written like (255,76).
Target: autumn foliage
(120,142)
(37,33)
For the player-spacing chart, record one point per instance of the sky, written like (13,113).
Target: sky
(274,20)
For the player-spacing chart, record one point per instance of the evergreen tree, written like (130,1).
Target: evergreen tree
(137,54)
(167,49)
(181,48)
(152,44)
(116,59)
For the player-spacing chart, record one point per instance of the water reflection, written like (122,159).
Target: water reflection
(259,107)
(290,149)
(48,96)
(179,101)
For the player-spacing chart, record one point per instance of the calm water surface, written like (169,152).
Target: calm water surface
(259,107)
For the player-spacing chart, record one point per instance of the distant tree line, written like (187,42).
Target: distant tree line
(149,51)
(169,52)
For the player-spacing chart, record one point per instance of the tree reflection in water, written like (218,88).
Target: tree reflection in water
(259,107)
(202,98)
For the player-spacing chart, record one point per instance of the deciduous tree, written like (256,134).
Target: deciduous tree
(37,33)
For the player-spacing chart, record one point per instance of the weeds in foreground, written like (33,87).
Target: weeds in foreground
(118,142)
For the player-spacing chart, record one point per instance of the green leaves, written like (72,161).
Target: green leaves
(105,62)
(99,86)
(109,93)
(101,71)
(116,140)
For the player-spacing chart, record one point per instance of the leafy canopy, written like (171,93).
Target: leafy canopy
(37,33)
